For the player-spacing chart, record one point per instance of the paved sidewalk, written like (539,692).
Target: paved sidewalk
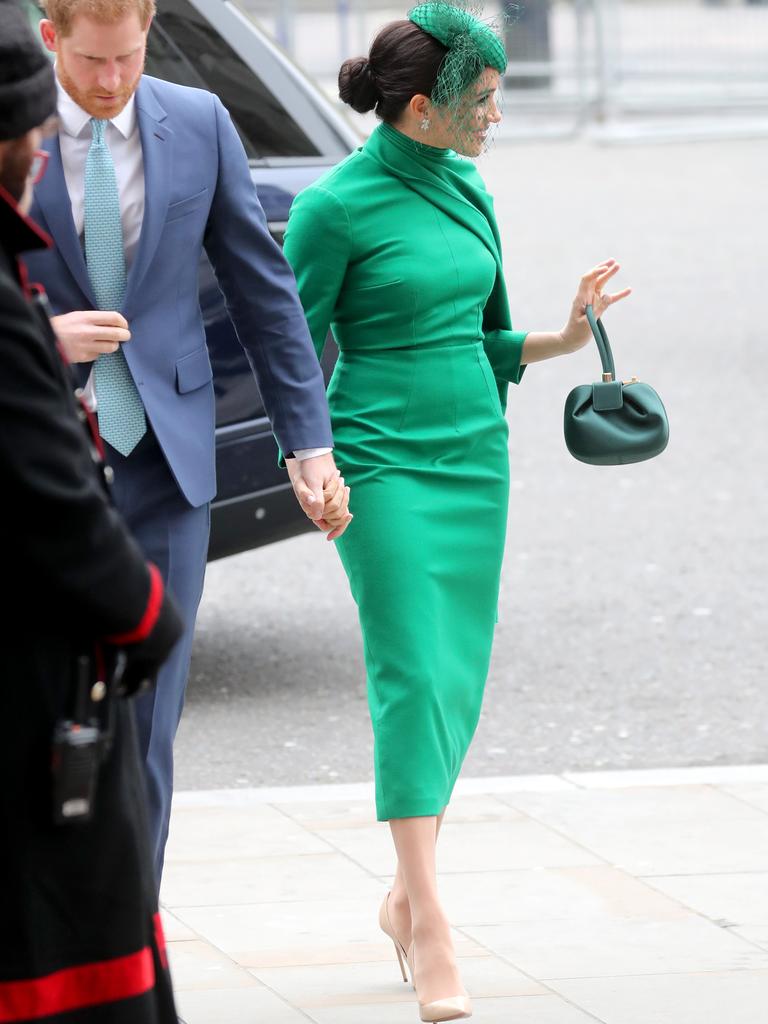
(620,897)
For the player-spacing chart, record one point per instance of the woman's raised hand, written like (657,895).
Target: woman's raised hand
(577,331)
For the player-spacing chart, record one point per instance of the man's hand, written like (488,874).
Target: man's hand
(321,492)
(336,514)
(88,333)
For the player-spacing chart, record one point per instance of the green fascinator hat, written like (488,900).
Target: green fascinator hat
(472,44)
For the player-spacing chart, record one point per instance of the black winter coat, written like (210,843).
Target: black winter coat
(80,939)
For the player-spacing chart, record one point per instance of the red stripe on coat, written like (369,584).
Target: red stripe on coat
(160,940)
(151,612)
(42,236)
(75,988)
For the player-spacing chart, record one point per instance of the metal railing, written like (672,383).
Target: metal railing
(606,65)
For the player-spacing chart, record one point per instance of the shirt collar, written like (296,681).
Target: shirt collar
(75,121)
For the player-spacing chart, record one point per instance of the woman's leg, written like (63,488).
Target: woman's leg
(399,907)
(436,975)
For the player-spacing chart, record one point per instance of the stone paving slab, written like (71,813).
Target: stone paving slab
(545,1009)
(574,899)
(739,997)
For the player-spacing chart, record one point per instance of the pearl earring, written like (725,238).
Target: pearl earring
(426,124)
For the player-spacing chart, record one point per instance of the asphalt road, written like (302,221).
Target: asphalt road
(634,606)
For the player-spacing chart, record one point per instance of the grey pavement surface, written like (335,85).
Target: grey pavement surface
(633,611)
(559,916)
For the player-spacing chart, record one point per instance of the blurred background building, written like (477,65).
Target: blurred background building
(619,69)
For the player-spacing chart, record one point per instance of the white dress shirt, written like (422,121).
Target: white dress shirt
(122,137)
(124,141)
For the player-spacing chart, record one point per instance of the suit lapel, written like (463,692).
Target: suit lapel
(156,145)
(53,199)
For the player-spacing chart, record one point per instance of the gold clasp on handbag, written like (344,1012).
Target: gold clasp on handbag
(633,380)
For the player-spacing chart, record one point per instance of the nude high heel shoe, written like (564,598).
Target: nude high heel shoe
(386,926)
(448,1008)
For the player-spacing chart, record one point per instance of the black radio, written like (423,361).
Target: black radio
(75,763)
(82,742)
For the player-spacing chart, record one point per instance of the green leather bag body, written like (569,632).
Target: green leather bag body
(610,422)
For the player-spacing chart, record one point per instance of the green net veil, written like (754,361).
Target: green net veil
(474,43)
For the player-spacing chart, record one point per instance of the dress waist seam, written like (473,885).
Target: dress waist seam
(347,354)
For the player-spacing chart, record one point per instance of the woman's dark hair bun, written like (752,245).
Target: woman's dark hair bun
(356,85)
(406,60)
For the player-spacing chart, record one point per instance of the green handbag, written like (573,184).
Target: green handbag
(612,423)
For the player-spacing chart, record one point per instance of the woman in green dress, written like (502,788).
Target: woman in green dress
(397,250)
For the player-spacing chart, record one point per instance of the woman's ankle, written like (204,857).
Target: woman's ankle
(431,924)
(398,901)
(399,911)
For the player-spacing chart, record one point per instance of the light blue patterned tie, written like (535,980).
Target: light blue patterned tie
(121,413)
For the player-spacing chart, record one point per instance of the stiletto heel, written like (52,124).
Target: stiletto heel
(386,926)
(400,960)
(439,1010)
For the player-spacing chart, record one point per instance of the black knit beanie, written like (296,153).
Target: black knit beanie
(27,83)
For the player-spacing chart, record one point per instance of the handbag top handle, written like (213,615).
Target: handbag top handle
(603,345)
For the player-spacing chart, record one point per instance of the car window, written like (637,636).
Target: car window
(184,47)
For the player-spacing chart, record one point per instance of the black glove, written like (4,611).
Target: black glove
(143,659)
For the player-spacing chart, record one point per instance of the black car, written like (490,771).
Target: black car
(291,134)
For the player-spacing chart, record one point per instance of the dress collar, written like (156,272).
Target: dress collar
(413,146)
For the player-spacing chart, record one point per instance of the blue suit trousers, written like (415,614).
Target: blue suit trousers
(174,535)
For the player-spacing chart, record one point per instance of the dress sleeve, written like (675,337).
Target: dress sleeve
(503,346)
(318,245)
(504,350)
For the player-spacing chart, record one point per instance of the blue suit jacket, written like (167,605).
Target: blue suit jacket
(198,193)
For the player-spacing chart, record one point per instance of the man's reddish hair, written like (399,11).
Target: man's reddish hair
(62,12)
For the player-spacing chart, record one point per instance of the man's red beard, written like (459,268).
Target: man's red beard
(89,100)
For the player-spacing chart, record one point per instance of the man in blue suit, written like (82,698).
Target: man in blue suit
(142,175)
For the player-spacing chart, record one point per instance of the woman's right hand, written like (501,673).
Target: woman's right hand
(320,490)
(336,514)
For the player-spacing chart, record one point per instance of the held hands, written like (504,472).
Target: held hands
(86,334)
(577,332)
(320,489)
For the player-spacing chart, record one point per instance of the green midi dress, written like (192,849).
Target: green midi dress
(396,249)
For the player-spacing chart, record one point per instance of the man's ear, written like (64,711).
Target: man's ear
(48,34)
